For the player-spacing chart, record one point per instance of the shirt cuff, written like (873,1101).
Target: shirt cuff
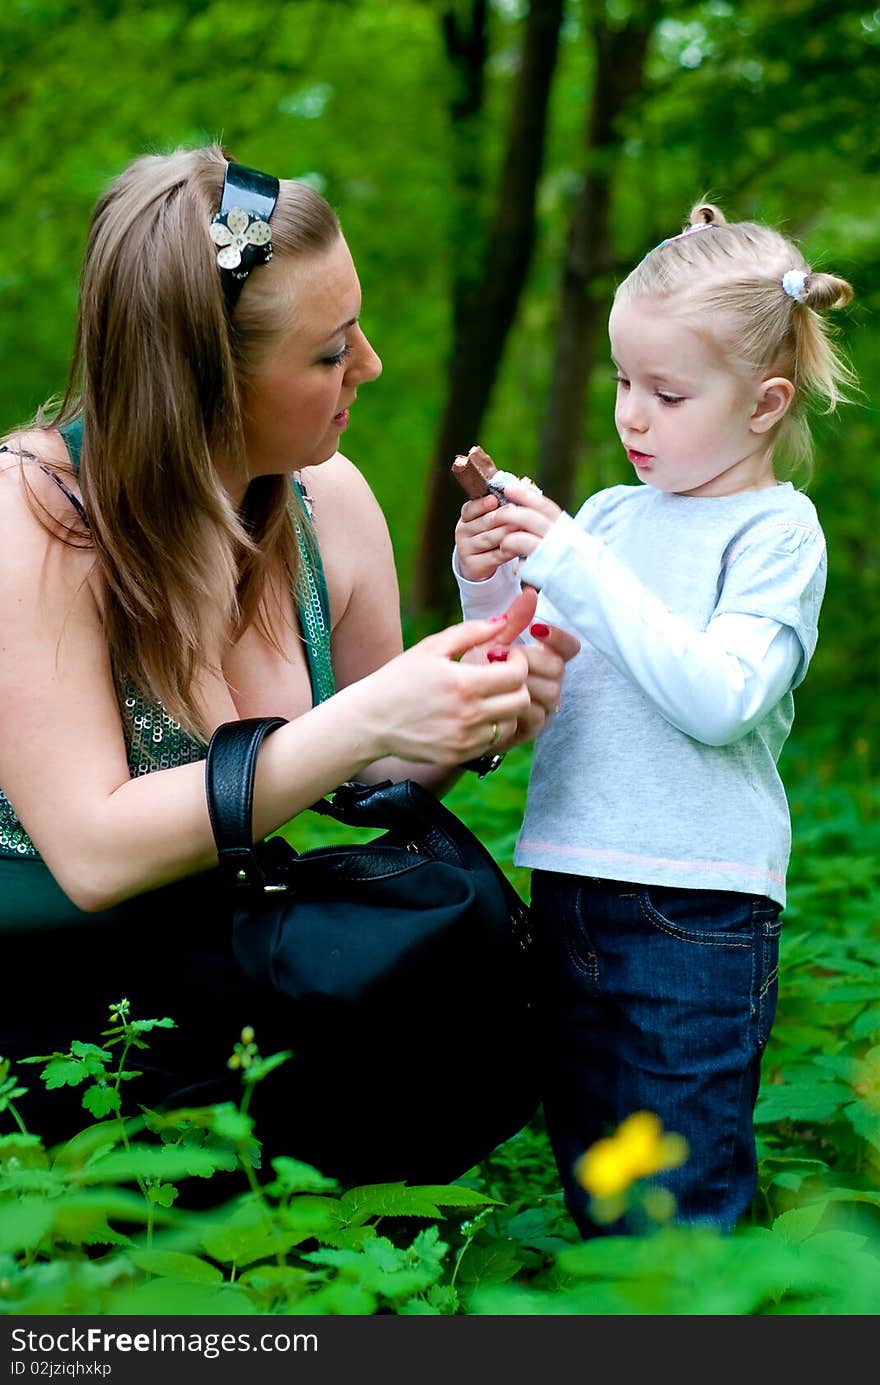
(556,546)
(489,598)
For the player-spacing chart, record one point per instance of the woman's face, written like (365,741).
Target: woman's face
(295,404)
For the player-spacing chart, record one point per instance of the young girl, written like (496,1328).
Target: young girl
(656,824)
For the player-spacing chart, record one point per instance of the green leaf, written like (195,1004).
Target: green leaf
(308,1217)
(163,1193)
(293,1176)
(32,1180)
(399,1200)
(24,1222)
(803,1101)
(797,1224)
(176,1298)
(382,1267)
(868,1195)
(440,1299)
(263,1066)
(346,1237)
(173,1264)
(117,1203)
(9,1092)
(864,1121)
(81,1050)
(243,1244)
(159,1163)
(867,1024)
(454,1195)
(490,1264)
(93,1140)
(22,1147)
(101,1100)
(341,1298)
(64,1072)
(82,1225)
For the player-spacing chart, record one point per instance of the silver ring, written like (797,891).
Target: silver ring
(495,736)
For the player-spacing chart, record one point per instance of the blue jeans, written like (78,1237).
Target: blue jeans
(657,999)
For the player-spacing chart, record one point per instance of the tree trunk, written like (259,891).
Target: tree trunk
(488,282)
(620,69)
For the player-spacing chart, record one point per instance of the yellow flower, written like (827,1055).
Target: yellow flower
(637,1149)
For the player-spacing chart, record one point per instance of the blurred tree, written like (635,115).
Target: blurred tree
(619,48)
(493,254)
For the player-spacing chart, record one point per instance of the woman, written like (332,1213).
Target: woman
(163,575)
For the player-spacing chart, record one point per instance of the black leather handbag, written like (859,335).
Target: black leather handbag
(398,972)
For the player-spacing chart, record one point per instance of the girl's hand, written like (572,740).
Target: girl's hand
(524,522)
(477,540)
(429,704)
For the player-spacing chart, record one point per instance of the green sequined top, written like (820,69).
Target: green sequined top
(154,740)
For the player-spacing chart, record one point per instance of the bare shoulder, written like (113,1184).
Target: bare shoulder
(344,506)
(37,514)
(339,483)
(352,533)
(31,465)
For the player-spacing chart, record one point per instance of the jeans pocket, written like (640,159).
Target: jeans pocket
(558,905)
(709,917)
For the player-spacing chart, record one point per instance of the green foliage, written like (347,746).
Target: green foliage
(104,1223)
(769,109)
(75,1237)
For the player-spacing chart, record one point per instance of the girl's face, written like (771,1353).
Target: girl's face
(691,423)
(295,404)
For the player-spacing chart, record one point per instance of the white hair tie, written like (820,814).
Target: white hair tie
(794,281)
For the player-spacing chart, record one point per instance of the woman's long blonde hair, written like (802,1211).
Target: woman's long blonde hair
(727,277)
(156,375)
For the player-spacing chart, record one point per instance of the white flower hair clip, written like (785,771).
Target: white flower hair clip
(233,231)
(794,281)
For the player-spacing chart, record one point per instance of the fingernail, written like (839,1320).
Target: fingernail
(539,630)
(497,656)
(496,620)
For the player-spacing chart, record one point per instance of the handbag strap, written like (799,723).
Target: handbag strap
(230,766)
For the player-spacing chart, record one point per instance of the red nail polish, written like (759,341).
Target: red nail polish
(539,630)
(497,656)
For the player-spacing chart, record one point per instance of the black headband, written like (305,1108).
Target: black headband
(241,227)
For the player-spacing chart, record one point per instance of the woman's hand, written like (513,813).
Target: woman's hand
(546,659)
(430,704)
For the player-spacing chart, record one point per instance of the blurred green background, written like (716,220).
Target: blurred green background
(415,118)
(497,167)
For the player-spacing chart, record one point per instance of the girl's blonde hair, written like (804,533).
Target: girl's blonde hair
(729,276)
(157,375)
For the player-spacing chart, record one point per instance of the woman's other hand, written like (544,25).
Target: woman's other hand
(547,657)
(432,704)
